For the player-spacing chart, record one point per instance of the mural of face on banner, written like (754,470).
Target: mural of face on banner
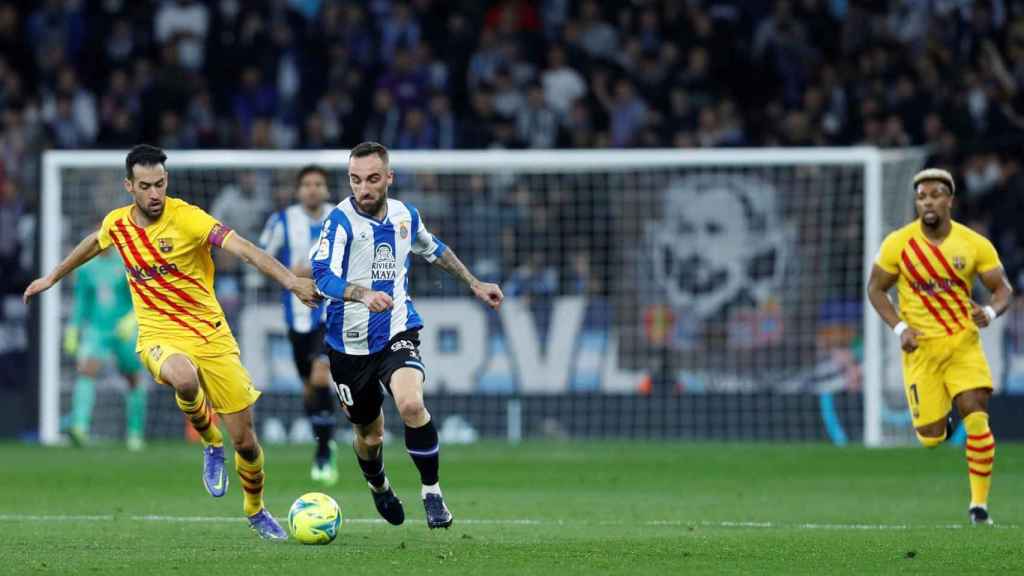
(719,244)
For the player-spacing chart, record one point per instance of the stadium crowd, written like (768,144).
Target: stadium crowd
(428,74)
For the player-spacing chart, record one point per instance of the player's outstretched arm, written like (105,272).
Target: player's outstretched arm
(488,292)
(999,285)
(86,250)
(878,293)
(303,288)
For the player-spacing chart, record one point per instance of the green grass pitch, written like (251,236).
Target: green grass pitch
(538,508)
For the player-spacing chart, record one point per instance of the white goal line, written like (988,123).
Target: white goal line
(507,522)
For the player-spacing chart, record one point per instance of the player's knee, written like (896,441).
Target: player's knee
(412,410)
(932,435)
(320,377)
(372,438)
(972,401)
(89,368)
(181,376)
(247,446)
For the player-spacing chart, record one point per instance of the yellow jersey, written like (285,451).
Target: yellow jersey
(170,273)
(935,282)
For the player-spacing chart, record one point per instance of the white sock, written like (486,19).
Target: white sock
(383,488)
(432,489)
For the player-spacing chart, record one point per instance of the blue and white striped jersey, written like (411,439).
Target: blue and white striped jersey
(356,248)
(289,236)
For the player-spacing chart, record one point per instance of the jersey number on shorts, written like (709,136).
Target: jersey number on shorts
(344,394)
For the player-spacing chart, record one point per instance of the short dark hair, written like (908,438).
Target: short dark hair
(364,149)
(143,155)
(310,169)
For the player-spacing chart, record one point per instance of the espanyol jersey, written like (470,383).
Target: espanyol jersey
(376,254)
(289,236)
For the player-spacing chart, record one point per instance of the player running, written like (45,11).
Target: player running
(288,236)
(361,263)
(184,340)
(102,330)
(934,261)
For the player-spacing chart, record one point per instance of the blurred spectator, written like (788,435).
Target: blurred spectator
(256,98)
(508,97)
(598,38)
(407,81)
(187,22)
(11,212)
(201,119)
(562,84)
(81,108)
(484,63)
(399,30)
(14,47)
(385,119)
(627,112)
(538,124)
(416,133)
(445,125)
(121,45)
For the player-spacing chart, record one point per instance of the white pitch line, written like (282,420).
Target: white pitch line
(501,522)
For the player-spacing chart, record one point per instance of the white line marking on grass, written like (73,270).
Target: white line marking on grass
(502,522)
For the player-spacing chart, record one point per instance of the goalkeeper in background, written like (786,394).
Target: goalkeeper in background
(103,329)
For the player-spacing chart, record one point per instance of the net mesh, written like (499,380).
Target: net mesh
(897,210)
(676,301)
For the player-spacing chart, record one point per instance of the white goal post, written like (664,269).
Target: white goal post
(790,176)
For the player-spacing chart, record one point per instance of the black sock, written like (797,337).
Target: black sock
(373,469)
(425,450)
(320,411)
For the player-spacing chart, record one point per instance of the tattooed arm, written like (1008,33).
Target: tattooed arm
(489,293)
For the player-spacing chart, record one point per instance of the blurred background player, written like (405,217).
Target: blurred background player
(934,261)
(362,263)
(184,340)
(103,329)
(288,236)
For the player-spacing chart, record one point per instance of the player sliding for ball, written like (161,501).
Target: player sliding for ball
(361,264)
(184,340)
(934,262)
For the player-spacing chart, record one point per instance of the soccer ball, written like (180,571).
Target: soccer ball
(314,518)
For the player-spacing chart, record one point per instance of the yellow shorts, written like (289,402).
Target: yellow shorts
(226,382)
(940,369)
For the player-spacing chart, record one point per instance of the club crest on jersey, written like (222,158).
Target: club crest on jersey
(384,265)
(155,353)
(959,263)
(403,230)
(165,245)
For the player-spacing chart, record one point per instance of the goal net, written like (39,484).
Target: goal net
(650,293)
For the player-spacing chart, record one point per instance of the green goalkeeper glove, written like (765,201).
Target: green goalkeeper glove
(127,326)
(71,340)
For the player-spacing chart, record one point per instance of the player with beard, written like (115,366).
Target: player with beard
(184,339)
(361,264)
(933,261)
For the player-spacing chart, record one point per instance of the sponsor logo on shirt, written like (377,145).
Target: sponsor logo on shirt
(384,265)
(143,273)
